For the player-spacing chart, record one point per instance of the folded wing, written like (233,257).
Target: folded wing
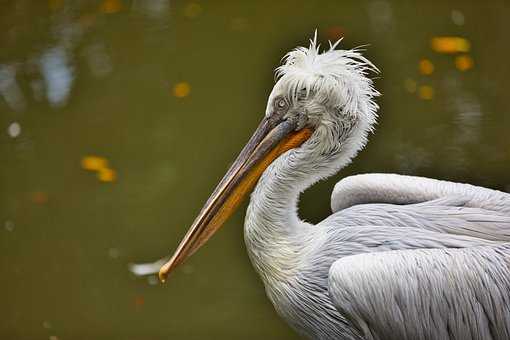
(444,293)
(399,189)
(428,204)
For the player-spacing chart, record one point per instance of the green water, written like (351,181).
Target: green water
(97,78)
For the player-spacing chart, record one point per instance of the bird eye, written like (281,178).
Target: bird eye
(281,104)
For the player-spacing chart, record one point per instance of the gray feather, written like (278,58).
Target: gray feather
(399,189)
(454,294)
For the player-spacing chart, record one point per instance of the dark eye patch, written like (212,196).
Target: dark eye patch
(281,104)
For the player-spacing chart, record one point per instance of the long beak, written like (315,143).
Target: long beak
(270,140)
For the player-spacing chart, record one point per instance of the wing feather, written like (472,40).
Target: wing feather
(399,189)
(426,293)
(445,215)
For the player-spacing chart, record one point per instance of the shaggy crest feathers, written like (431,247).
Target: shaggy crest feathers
(338,77)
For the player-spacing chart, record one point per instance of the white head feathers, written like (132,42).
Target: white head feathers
(336,78)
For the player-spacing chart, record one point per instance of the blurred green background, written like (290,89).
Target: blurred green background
(118,117)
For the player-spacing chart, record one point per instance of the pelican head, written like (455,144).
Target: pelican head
(322,104)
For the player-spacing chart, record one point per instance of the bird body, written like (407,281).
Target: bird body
(400,258)
(432,269)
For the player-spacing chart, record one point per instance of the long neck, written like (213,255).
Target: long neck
(275,236)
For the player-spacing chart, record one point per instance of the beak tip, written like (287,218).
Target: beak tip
(162,275)
(165,270)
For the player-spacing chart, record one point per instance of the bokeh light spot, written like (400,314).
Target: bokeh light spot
(9,225)
(14,129)
(450,44)
(426,67)
(458,17)
(111,6)
(182,89)
(106,175)
(426,92)
(93,163)
(464,62)
(39,197)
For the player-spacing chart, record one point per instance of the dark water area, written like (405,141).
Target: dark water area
(117,119)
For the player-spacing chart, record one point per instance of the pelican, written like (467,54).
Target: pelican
(400,257)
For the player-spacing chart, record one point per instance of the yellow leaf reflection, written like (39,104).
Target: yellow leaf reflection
(39,197)
(93,163)
(464,62)
(450,44)
(106,175)
(182,89)
(426,92)
(426,67)
(111,6)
